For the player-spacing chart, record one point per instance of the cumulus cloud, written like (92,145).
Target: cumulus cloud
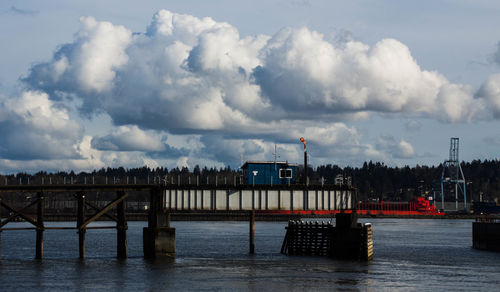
(232,95)
(192,75)
(34,127)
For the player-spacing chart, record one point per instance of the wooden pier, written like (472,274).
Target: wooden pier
(158,236)
(86,211)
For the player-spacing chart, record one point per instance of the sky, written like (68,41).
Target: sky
(92,84)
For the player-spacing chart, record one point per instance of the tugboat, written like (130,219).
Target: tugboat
(425,206)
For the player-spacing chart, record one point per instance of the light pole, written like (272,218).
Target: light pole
(305,159)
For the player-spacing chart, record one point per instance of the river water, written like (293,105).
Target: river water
(409,255)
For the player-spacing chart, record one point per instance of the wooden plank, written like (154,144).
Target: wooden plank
(18,228)
(110,216)
(77,188)
(100,227)
(40,227)
(103,211)
(17,213)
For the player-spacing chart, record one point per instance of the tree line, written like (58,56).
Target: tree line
(373,180)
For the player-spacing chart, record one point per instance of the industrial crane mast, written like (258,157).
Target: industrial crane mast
(452,175)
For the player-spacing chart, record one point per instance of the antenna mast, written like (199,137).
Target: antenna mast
(275,154)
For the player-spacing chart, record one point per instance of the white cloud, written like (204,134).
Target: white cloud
(183,162)
(217,96)
(34,127)
(190,75)
(100,51)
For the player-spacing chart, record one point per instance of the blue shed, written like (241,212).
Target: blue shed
(269,172)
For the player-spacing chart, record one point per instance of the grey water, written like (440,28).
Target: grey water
(409,255)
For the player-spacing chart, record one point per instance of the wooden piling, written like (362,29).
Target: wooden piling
(367,243)
(40,226)
(252,231)
(80,222)
(121,226)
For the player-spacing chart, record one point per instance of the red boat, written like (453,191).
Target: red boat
(417,206)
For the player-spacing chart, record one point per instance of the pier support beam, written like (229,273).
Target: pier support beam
(486,234)
(348,240)
(40,226)
(121,226)
(158,238)
(80,196)
(252,231)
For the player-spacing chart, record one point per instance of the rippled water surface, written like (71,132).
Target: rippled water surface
(410,254)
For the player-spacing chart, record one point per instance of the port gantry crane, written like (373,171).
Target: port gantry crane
(452,175)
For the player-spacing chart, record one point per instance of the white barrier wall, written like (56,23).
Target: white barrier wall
(285,201)
(272,199)
(234,200)
(206,199)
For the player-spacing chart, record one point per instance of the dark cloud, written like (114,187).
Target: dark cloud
(20,11)
(395,149)
(129,138)
(496,56)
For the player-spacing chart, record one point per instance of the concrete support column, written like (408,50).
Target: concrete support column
(158,237)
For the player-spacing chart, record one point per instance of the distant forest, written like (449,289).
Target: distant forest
(373,180)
